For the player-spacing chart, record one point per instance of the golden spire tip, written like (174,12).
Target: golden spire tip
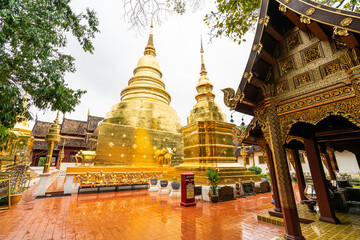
(57,118)
(203,69)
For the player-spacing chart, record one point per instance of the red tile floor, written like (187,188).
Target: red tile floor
(134,215)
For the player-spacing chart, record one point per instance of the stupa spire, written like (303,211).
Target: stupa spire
(150,49)
(204,87)
(203,69)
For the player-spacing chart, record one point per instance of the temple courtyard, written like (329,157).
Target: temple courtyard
(137,214)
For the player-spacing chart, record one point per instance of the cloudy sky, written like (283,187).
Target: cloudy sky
(177,41)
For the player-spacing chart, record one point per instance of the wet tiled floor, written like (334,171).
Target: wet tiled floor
(134,215)
(349,227)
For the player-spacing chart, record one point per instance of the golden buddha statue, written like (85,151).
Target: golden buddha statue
(142,122)
(113,178)
(101,178)
(87,179)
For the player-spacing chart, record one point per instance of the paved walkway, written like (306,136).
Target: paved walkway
(134,215)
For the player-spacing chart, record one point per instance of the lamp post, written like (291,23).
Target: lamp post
(51,138)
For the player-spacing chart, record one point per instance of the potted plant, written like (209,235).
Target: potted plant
(175,184)
(153,182)
(163,183)
(213,178)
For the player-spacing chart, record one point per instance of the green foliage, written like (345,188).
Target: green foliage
(257,170)
(213,178)
(233,18)
(42,161)
(175,179)
(32,34)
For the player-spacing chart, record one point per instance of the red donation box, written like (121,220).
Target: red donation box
(187,189)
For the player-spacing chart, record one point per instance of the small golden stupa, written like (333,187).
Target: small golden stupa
(209,139)
(20,140)
(142,130)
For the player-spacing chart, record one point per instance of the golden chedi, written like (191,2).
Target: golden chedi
(142,130)
(209,139)
(20,140)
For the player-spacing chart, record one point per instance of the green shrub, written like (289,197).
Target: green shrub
(257,170)
(42,161)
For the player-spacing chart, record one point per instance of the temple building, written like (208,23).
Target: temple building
(301,84)
(142,128)
(209,139)
(76,135)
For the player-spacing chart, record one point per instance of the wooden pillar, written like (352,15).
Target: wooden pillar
(299,173)
(275,190)
(329,167)
(286,193)
(327,211)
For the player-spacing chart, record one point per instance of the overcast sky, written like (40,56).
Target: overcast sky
(177,41)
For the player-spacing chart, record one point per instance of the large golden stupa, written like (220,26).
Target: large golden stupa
(209,139)
(142,130)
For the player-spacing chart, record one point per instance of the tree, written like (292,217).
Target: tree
(232,18)
(32,35)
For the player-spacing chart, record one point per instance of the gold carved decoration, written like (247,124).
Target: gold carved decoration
(249,77)
(350,59)
(282,8)
(305,19)
(257,48)
(290,138)
(281,87)
(302,79)
(341,32)
(293,40)
(348,108)
(287,65)
(333,95)
(231,99)
(311,54)
(310,11)
(339,44)
(266,20)
(287,1)
(330,68)
(346,22)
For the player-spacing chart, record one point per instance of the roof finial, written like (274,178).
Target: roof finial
(88,112)
(150,49)
(203,69)
(57,118)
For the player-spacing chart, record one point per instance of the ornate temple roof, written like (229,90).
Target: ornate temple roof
(73,127)
(277,17)
(92,123)
(41,128)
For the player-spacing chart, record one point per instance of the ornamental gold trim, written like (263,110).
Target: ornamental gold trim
(310,11)
(334,95)
(341,32)
(282,8)
(287,1)
(346,22)
(305,19)
(347,108)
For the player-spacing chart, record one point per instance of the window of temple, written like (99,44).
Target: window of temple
(261,160)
